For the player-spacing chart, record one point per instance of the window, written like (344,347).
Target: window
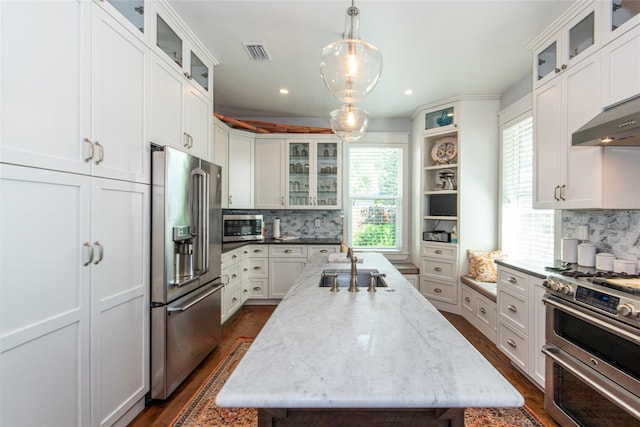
(375,205)
(526,233)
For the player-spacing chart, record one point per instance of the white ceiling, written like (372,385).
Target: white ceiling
(437,48)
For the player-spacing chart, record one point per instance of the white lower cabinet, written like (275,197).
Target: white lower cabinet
(81,350)
(231,300)
(438,272)
(255,272)
(521,318)
(480,311)
(286,262)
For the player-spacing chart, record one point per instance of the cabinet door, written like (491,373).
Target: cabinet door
(240,172)
(118,105)
(583,166)
(41,123)
(327,168)
(299,175)
(269,173)
(219,156)
(197,122)
(548,149)
(44,309)
(282,274)
(120,298)
(166,105)
(538,358)
(621,68)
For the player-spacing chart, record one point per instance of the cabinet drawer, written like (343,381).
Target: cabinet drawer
(231,300)
(255,268)
(229,258)
(256,251)
(434,250)
(288,251)
(258,288)
(231,275)
(440,291)
(486,312)
(438,269)
(323,249)
(468,300)
(513,280)
(514,308)
(513,345)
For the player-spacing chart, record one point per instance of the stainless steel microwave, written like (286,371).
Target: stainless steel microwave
(238,228)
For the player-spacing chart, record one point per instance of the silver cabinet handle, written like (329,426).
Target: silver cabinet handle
(234,299)
(187,75)
(555,193)
(438,269)
(512,343)
(257,288)
(234,256)
(245,269)
(101,147)
(512,280)
(437,290)
(185,140)
(257,267)
(257,251)
(190,141)
(91,151)
(482,310)
(438,251)
(282,201)
(513,308)
(230,201)
(233,276)
(562,188)
(100,252)
(288,251)
(324,251)
(467,299)
(245,291)
(90,246)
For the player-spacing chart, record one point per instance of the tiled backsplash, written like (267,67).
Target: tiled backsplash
(301,223)
(614,231)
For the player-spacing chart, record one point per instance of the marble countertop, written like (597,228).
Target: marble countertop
(229,246)
(535,268)
(384,349)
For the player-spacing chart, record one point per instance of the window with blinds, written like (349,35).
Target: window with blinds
(527,233)
(375,197)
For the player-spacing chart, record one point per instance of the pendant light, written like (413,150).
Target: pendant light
(349,122)
(350,68)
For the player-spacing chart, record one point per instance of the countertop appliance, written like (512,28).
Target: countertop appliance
(239,228)
(186,249)
(592,373)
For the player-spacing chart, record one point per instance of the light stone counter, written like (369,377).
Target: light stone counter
(384,349)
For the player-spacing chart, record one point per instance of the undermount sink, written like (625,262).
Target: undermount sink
(344,278)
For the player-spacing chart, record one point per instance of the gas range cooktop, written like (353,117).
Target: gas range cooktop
(623,282)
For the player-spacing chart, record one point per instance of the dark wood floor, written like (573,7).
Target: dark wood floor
(250,320)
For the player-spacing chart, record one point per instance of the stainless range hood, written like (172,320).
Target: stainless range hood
(618,125)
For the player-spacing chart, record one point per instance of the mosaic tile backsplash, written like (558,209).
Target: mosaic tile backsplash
(613,231)
(301,223)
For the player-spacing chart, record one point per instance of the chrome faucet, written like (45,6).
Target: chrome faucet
(353,283)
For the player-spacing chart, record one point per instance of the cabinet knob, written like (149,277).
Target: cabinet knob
(557,70)
(437,290)
(512,343)
(233,276)
(438,269)
(564,66)
(187,75)
(438,251)
(234,299)
(288,251)
(467,299)
(482,310)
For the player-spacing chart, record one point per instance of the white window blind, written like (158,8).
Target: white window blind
(375,197)
(527,233)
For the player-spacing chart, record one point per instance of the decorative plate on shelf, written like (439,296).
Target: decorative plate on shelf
(444,150)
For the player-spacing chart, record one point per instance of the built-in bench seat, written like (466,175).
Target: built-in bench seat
(479,305)
(488,289)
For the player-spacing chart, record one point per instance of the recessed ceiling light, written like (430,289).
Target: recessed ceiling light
(408,92)
(283,91)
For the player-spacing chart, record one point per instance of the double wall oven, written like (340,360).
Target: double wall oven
(592,348)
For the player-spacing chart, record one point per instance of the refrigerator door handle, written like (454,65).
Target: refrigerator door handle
(195,301)
(200,215)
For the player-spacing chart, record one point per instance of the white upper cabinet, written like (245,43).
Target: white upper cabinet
(240,171)
(270,173)
(181,100)
(558,51)
(621,68)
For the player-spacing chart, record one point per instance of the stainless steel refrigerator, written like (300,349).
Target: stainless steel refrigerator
(186,244)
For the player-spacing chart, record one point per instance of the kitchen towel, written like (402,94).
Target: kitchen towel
(276,228)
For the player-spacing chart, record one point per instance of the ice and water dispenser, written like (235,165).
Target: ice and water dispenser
(183,254)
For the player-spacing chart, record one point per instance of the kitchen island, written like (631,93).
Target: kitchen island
(348,357)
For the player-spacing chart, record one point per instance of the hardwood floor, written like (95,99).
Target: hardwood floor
(250,320)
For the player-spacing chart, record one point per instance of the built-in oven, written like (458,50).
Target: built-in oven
(592,375)
(238,228)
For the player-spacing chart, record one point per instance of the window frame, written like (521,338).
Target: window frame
(395,141)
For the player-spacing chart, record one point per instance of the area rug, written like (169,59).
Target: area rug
(201,410)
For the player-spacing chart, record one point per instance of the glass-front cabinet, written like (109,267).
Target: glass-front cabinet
(313,178)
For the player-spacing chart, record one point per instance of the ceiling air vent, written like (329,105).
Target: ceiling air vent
(257,52)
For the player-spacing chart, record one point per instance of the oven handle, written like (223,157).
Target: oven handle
(582,315)
(587,377)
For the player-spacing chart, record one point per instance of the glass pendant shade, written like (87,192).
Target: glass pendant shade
(349,122)
(350,68)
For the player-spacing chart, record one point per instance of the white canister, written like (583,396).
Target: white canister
(624,266)
(569,250)
(587,254)
(604,261)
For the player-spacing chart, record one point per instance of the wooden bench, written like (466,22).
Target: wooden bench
(479,305)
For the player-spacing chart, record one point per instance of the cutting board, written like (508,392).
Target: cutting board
(630,283)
